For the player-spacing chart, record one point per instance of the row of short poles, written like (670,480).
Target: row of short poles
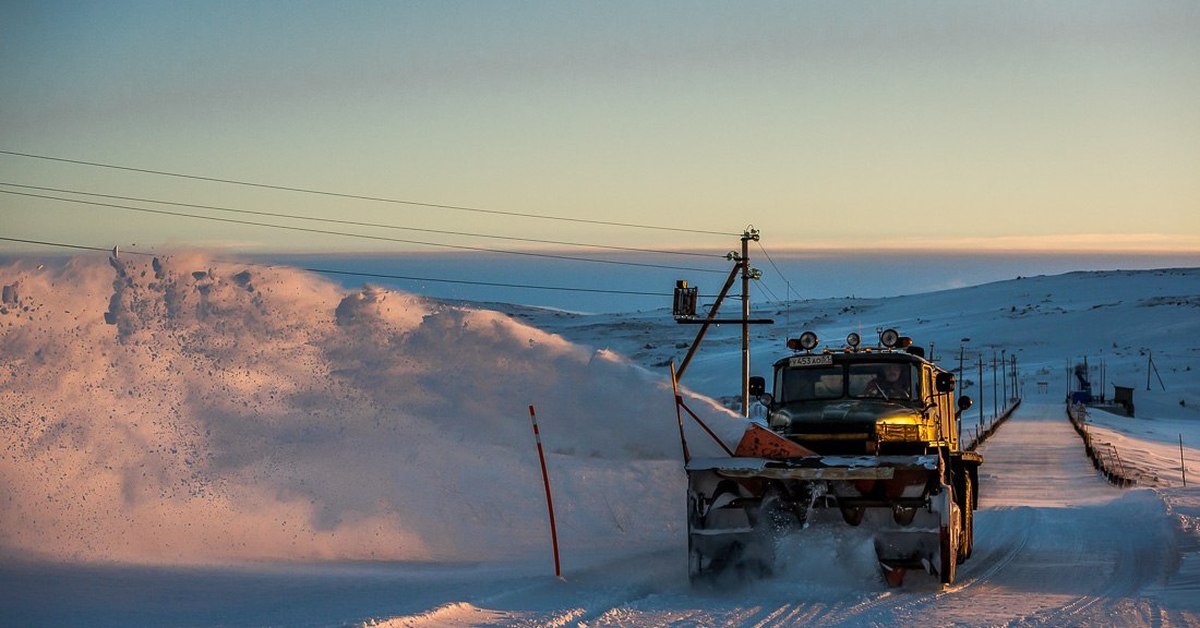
(983,432)
(1105,456)
(1005,393)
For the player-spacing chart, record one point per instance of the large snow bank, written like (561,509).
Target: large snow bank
(239,412)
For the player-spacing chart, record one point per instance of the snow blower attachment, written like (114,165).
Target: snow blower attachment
(861,437)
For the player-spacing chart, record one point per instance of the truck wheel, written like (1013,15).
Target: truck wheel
(967,542)
(950,538)
(695,563)
(693,555)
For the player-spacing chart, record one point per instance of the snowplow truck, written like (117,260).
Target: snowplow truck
(854,436)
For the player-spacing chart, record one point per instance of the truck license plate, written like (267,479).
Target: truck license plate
(811,360)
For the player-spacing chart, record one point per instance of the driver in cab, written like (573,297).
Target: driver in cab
(890,383)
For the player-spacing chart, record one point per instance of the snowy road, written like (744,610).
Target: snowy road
(1055,545)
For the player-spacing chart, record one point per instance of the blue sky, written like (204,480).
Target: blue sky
(954,125)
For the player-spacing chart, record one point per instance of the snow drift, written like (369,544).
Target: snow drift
(179,409)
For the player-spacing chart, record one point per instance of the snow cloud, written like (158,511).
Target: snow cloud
(179,409)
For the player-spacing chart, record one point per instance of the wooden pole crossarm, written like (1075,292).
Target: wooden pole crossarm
(727,321)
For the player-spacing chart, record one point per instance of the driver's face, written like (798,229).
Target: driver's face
(891,372)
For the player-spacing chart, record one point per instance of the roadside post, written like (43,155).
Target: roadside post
(549,502)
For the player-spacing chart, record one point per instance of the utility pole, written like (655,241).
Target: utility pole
(1102,374)
(1150,367)
(1068,380)
(746,237)
(1016,393)
(1004,381)
(684,311)
(995,389)
(981,392)
(962,375)
(1149,361)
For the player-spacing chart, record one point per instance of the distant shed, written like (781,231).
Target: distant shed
(1123,395)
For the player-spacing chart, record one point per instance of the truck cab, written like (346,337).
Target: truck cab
(863,403)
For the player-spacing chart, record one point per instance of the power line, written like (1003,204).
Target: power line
(786,282)
(774,297)
(327,271)
(362,235)
(363,197)
(357,223)
(787,285)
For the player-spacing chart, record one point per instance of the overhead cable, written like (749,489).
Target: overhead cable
(357,223)
(363,197)
(787,283)
(774,297)
(362,235)
(328,271)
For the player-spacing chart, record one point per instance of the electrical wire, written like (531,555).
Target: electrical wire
(357,223)
(787,284)
(362,197)
(774,297)
(362,235)
(328,271)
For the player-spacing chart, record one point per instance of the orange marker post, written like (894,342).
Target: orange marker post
(549,502)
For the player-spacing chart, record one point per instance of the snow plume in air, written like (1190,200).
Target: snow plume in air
(178,409)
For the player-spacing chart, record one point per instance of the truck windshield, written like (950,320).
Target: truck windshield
(892,381)
(803,384)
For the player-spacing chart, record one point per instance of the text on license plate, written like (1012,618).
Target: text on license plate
(810,360)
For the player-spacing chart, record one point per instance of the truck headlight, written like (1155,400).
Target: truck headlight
(898,432)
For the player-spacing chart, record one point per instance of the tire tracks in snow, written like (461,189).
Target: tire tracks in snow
(1135,562)
(997,555)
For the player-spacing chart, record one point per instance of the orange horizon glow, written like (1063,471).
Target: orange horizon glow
(1064,244)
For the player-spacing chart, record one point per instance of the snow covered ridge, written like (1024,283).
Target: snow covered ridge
(177,409)
(1116,316)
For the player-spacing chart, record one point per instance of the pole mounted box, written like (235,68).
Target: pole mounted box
(685,300)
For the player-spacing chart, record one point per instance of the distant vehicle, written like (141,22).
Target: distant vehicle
(860,436)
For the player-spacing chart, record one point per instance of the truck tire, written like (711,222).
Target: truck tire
(967,540)
(948,549)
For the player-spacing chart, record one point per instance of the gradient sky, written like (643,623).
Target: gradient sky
(995,125)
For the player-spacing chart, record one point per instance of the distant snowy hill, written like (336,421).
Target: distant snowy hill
(1046,321)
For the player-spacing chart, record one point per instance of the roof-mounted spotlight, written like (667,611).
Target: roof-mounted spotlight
(807,342)
(889,338)
(852,340)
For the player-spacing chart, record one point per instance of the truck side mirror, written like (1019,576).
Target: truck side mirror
(758,386)
(945,382)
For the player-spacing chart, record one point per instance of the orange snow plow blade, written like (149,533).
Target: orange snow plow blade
(759,442)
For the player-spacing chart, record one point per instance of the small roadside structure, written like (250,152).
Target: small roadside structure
(1123,396)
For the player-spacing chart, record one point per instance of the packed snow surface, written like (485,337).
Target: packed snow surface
(193,442)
